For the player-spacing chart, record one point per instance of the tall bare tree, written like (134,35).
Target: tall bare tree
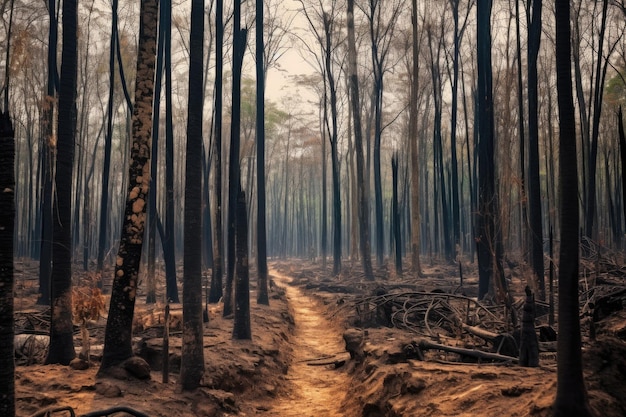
(262,290)
(364,236)
(237,213)
(487,239)
(61,349)
(46,155)
(622,150)
(533,14)
(7,283)
(106,167)
(328,39)
(459,30)
(218,246)
(192,359)
(413,139)
(382,18)
(118,334)
(571,395)
(169,248)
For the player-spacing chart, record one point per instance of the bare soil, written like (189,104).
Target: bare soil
(296,364)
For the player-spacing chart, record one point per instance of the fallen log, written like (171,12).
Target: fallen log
(504,343)
(473,353)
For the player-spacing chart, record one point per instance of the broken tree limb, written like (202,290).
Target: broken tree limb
(479,354)
(480,332)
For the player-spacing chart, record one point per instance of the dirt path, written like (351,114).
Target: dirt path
(316,390)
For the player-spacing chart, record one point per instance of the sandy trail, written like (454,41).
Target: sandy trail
(316,390)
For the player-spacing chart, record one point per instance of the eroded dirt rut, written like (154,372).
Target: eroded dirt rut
(315,390)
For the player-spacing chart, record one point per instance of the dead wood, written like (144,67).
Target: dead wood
(473,353)
(480,332)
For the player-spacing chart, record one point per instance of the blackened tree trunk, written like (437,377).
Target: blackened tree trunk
(622,150)
(382,17)
(395,215)
(117,338)
(334,157)
(454,179)
(241,327)
(598,92)
(106,164)
(207,222)
(169,250)
(571,395)
(329,31)
(489,262)
(234,183)
(413,138)
(154,162)
(529,348)
(522,137)
(261,236)
(438,162)
(218,246)
(61,349)
(534,187)
(46,155)
(237,213)
(364,236)
(192,359)
(7,283)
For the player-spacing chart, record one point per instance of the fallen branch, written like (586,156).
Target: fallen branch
(479,354)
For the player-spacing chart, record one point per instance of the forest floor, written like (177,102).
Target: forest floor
(296,363)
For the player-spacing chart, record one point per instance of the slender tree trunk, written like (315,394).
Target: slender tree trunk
(234,175)
(118,334)
(590,204)
(106,164)
(353,205)
(334,140)
(238,225)
(358,143)
(534,186)
(192,358)
(522,137)
(47,161)
(622,150)
(7,282)
(241,327)
(154,162)
(334,153)
(395,215)
(378,187)
(413,138)
(61,349)
(169,251)
(261,255)
(454,180)
(487,239)
(571,395)
(324,232)
(218,249)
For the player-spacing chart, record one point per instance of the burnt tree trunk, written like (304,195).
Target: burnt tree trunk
(117,339)
(622,150)
(61,349)
(218,249)
(7,283)
(192,358)
(395,215)
(364,238)
(241,328)
(571,394)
